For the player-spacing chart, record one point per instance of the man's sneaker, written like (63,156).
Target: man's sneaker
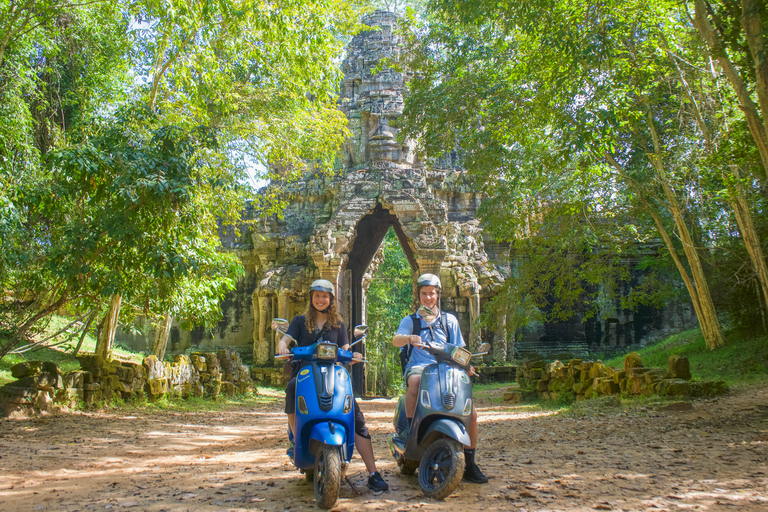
(473,474)
(376,483)
(289,451)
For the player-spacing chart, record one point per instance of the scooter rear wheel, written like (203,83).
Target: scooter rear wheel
(441,468)
(327,476)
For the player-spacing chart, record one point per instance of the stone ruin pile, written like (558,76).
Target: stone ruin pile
(41,386)
(591,379)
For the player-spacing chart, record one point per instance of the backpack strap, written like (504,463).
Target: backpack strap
(416,321)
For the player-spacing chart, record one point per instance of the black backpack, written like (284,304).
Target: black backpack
(405,352)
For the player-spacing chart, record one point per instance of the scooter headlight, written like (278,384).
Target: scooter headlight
(326,351)
(347,404)
(302,405)
(461,356)
(425,401)
(467,407)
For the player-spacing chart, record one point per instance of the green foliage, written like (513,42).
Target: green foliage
(592,126)
(125,133)
(390,298)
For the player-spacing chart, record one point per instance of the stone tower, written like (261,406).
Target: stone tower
(334,227)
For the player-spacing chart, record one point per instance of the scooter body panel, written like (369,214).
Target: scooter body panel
(326,391)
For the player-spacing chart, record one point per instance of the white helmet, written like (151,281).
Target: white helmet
(322,285)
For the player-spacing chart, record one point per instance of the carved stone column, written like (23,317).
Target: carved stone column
(283,305)
(474,313)
(261,355)
(500,339)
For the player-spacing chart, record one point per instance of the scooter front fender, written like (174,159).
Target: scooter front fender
(445,427)
(326,432)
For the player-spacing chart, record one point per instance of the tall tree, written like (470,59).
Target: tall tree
(135,188)
(585,93)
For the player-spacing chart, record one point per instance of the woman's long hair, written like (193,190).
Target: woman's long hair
(333,320)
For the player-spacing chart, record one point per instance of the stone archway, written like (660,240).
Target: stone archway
(369,234)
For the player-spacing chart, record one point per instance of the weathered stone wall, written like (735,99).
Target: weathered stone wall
(591,379)
(41,386)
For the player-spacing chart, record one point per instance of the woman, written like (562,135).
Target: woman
(321,319)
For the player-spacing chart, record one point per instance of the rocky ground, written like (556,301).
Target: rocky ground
(704,455)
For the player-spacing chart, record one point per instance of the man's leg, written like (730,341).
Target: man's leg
(411,394)
(472,472)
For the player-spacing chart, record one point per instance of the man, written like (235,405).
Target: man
(428,290)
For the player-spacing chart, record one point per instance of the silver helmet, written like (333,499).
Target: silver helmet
(428,280)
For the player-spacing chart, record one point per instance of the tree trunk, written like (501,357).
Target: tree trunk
(696,282)
(755,123)
(748,232)
(85,332)
(710,325)
(18,336)
(162,332)
(108,327)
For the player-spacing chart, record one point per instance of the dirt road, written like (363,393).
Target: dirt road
(708,455)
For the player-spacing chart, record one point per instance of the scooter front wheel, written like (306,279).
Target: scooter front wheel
(441,468)
(327,476)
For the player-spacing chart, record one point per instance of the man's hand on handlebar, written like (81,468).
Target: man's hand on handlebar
(415,340)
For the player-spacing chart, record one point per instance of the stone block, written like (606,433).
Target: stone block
(227,388)
(43,381)
(606,386)
(635,385)
(632,362)
(708,388)
(679,368)
(90,361)
(514,397)
(597,370)
(673,387)
(26,369)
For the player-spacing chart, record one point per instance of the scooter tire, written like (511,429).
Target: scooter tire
(327,476)
(441,468)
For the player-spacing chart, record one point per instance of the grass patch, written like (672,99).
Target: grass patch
(740,361)
(59,350)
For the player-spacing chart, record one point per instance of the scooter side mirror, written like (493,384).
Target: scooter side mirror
(427,314)
(281,325)
(358,334)
(360,331)
(482,349)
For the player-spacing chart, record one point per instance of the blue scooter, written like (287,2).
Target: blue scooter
(325,417)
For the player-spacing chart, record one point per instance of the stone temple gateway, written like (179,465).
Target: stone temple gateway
(333,229)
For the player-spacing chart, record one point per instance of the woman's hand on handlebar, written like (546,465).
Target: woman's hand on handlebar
(282,348)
